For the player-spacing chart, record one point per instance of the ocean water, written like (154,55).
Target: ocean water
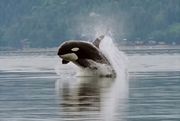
(32,90)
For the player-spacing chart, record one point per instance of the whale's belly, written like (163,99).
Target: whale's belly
(89,67)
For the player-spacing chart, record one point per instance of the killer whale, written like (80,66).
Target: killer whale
(86,55)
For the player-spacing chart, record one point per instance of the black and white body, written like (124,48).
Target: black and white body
(87,56)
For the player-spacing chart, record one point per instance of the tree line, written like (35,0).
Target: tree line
(46,23)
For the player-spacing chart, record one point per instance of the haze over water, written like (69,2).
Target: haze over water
(30,89)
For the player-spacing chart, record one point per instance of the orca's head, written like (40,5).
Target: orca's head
(74,50)
(68,51)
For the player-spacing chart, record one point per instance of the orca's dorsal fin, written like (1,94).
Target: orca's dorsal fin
(97,41)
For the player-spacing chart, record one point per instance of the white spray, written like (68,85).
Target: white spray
(119,90)
(117,58)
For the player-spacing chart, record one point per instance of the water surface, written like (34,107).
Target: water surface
(31,90)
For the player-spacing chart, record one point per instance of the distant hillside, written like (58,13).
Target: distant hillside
(45,23)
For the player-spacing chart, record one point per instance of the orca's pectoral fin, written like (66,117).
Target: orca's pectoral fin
(98,40)
(65,62)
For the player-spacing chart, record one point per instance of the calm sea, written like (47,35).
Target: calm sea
(34,86)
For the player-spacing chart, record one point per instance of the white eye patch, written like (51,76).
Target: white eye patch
(75,49)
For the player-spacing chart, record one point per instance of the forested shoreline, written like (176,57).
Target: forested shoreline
(46,23)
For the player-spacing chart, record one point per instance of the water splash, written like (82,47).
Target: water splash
(117,58)
(119,92)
